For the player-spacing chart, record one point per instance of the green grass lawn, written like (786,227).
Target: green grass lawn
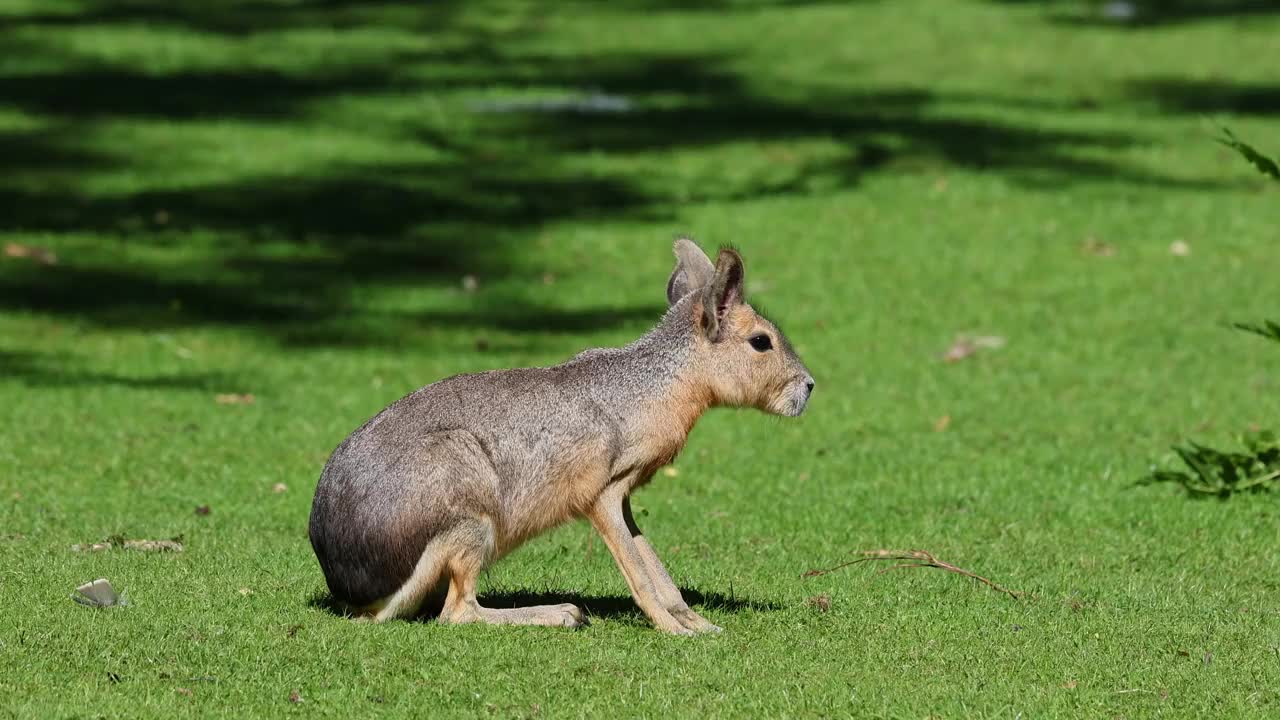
(284,199)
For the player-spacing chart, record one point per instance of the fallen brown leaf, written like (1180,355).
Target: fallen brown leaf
(967,345)
(43,256)
(1070,685)
(295,697)
(910,559)
(234,398)
(1094,246)
(959,350)
(184,691)
(202,510)
(943,423)
(782,155)
(822,603)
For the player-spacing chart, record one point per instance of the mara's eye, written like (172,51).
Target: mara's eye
(760,342)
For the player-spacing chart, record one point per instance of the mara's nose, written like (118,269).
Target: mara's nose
(808,385)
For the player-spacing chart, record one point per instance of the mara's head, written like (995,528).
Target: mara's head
(743,358)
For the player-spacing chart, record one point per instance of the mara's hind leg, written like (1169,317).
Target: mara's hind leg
(469,553)
(443,492)
(425,581)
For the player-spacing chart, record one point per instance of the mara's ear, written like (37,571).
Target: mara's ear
(693,270)
(723,293)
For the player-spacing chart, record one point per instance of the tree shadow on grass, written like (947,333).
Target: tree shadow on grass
(1141,14)
(290,250)
(54,370)
(1181,95)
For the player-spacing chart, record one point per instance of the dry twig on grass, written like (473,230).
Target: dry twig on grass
(914,558)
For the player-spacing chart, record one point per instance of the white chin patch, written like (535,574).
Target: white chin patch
(795,404)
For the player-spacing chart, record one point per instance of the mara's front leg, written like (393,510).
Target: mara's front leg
(609,518)
(667,590)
